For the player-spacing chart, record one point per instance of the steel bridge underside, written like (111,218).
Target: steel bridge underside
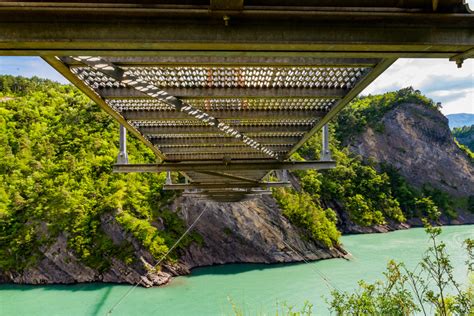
(226,91)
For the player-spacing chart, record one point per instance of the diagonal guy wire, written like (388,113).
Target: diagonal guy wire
(153,91)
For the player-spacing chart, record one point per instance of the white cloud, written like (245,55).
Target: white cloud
(439,79)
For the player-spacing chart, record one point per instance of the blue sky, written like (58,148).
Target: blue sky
(439,79)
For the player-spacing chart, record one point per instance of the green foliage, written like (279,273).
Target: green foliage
(369,110)
(467,151)
(365,193)
(282,309)
(428,206)
(404,292)
(57,150)
(21,86)
(304,212)
(388,297)
(465,136)
(428,202)
(158,242)
(441,199)
(147,234)
(470,204)
(436,267)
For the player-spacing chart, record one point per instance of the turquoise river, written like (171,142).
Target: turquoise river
(256,289)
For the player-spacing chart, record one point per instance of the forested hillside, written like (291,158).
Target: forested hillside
(57,150)
(465,136)
(369,192)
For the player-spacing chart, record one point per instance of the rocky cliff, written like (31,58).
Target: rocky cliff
(252,231)
(417,141)
(61,265)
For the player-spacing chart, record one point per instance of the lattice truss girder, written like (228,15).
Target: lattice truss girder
(221,112)
(231,77)
(317,84)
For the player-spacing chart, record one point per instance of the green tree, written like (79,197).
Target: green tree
(57,150)
(429,288)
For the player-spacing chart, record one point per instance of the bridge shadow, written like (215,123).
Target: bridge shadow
(101,302)
(103,289)
(237,268)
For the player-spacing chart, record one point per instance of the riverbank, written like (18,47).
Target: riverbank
(349,228)
(256,288)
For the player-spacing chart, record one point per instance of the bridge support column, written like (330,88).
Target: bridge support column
(282,175)
(122,157)
(325,152)
(168,178)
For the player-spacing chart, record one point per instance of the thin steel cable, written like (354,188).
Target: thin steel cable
(321,275)
(159,261)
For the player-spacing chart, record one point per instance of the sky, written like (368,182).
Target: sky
(439,79)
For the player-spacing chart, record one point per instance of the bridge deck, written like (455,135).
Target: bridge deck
(230,82)
(276,104)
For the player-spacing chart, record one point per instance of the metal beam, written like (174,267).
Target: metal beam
(220,166)
(242,59)
(284,53)
(225,185)
(245,191)
(325,151)
(59,66)
(219,149)
(123,93)
(229,176)
(131,8)
(459,58)
(224,114)
(123,155)
(218,156)
(226,5)
(348,34)
(153,91)
(187,130)
(195,141)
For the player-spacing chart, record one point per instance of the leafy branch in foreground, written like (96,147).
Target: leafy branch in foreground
(282,309)
(430,288)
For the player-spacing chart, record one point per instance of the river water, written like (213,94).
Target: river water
(256,289)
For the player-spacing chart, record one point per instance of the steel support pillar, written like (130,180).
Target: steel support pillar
(325,152)
(168,178)
(282,175)
(122,157)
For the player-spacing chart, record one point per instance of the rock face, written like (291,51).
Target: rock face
(253,231)
(60,265)
(417,141)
